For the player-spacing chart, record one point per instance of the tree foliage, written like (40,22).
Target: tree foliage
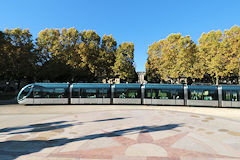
(52,61)
(69,55)
(124,66)
(172,57)
(2,54)
(153,62)
(217,56)
(83,54)
(107,57)
(89,49)
(211,52)
(231,48)
(19,54)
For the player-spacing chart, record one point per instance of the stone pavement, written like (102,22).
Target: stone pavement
(123,134)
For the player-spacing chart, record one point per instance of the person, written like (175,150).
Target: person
(122,95)
(234,98)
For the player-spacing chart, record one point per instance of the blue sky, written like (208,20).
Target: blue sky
(139,21)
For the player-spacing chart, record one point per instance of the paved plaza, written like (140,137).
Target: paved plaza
(118,132)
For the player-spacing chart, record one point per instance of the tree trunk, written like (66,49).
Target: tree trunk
(217,80)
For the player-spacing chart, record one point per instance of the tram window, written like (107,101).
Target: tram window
(155,94)
(148,93)
(37,93)
(25,92)
(89,93)
(227,95)
(133,93)
(164,94)
(234,96)
(230,95)
(75,93)
(195,94)
(171,94)
(206,95)
(179,94)
(46,92)
(59,93)
(50,93)
(210,95)
(120,93)
(104,93)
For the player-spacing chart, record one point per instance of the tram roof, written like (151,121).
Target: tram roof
(91,85)
(200,87)
(163,86)
(231,87)
(52,85)
(127,85)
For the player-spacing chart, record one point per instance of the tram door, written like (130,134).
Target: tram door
(235,102)
(230,98)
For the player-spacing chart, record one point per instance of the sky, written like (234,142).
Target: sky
(139,21)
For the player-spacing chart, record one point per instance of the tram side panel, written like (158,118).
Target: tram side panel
(163,94)
(146,96)
(83,93)
(27,101)
(142,93)
(235,104)
(50,101)
(202,103)
(164,101)
(44,93)
(127,94)
(157,94)
(94,100)
(75,95)
(231,96)
(25,95)
(126,101)
(47,94)
(203,96)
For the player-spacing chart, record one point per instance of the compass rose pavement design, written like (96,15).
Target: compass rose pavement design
(124,135)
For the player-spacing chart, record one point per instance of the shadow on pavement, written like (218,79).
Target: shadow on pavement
(12,149)
(41,127)
(111,119)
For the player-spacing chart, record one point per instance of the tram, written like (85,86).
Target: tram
(132,93)
(87,93)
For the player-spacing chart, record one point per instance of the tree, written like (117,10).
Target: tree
(89,51)
(172,57)
(68,53)
(231,48)
(178,55)
(186,57)
(47,43)
(52,50)
(21,57)
(211,50)
(107,57)
(67,49)
(169,52)
(152,64)
(124,65)
(3,59)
